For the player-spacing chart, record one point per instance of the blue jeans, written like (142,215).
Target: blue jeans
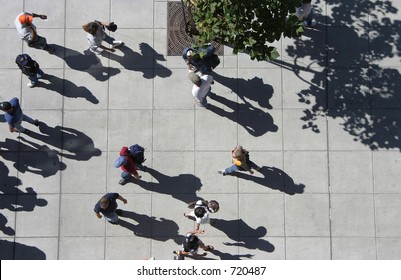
(24,118)
(111,218)
(38,75)
(231,169)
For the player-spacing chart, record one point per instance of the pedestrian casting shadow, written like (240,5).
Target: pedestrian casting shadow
(182,187)
(252,89)
(244,235)
(254,120)
(34,158)
(66,88)
(144,62)
(362,82)
(18,251)
(87,62)
(73,143)
(149,227)
(227,256)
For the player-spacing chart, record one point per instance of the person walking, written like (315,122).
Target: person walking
(305,13)
(14,116)
(30,68)
(128,165)
(107,206)
(201,88)
(200,213)
(241,162)
(97,35)
(28,33)
(191,246)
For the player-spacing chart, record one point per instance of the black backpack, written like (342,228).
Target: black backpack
(27,65)
(137,153)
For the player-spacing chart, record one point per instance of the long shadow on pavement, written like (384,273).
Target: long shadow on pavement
(244,235)
(67,88)
(143,62)
(275,179)
(18,251)
(254,120)
(182,187)
(149,227)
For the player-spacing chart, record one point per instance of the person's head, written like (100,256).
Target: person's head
(199,212)
(189,54)
(194,79)
(91,27)
(104,203)
(25,19)
(6,106)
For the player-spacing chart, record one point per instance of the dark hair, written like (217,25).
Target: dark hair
(191,243)
(199,211)
(91,27)
(5,106)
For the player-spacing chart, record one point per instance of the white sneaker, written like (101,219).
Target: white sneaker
(96,51)
(30,84)
(221,171)
(117,43)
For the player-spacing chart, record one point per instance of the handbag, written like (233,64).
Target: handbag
(111,27)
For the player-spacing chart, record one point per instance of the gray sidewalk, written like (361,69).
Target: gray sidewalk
(323,122)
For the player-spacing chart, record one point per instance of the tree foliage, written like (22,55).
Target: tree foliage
(246,25)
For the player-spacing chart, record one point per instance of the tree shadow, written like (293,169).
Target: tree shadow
(73,143)
(275,179)
(87,62)
(36,159)
(18,251)
(363,80)
(253,89)
(254,120)
(143,62)
(67,88)
(149,227)
(244,235)
(182,187)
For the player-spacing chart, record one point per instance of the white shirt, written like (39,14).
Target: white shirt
(97,39)
(200,92)
(304,11)
(24,31)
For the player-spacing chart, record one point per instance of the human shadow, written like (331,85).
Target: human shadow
(275,179)
(8,184)
(244,235)
(254,120)
(3,226)
(11,250)
(253,89)
(73,143)
(87,62)
(144,62)
(182,187)
(227,256)
(34,158)
(362,82)
(67,88)
(150,227)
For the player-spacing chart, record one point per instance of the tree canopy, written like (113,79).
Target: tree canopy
(246,25)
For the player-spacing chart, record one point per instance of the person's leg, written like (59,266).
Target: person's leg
(229,170)
(112,218)
(112,41)
(124,178)
(28,119)
(40,74)
(20,128)
(33,80)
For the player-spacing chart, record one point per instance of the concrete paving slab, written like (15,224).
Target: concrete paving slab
(387,215)
(352,215)
(385,171)
(27,248)
(353,248)
(267,248)
(388,248)
(9,12)
(81,248)
(10,44)
(308,248)
(350,172)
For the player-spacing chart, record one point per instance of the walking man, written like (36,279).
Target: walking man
(27,31)
(128,166)
(30,68)
(14,116)
(107,205)
(191,246)
(97,35)
(201,88)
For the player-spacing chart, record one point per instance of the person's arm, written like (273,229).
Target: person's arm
(122,199)
(98,215)
(39,16)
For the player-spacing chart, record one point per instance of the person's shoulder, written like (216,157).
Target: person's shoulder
(14,101)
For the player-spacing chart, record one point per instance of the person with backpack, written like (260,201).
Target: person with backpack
(305,13)
(129,160)
(212,206)
(27,31)
(14,116)
(30,68)
(204,63)
(200,213)
(96,35)
(191,246)
(240,160)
